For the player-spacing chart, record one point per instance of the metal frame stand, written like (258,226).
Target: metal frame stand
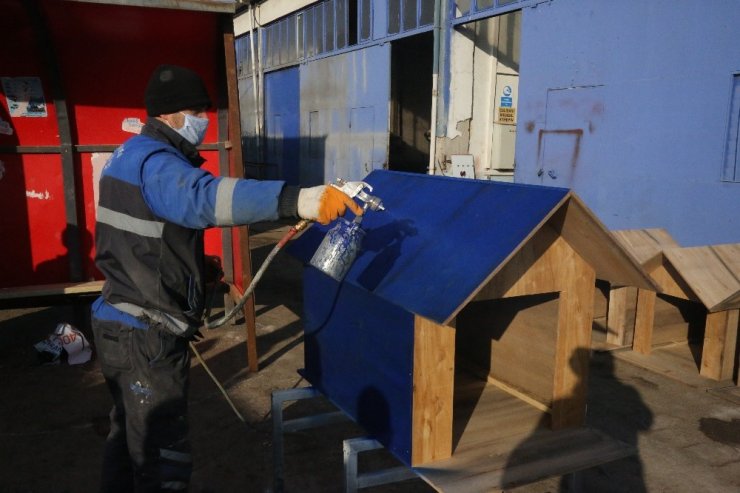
(280,426)
(353,481)
(352,446)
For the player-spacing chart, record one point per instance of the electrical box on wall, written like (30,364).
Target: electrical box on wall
(462,166)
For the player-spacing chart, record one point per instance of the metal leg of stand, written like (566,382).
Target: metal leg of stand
(280,427)
(353,481)
(573,482)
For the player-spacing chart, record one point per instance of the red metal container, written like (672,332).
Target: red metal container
(73,82)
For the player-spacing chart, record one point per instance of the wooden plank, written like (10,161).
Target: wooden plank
(513,340)
(712,272)
(670,282)
(509,389)
(533,270)
(619,324)
(676,320)
(89,287)
(487,416)
(572,353)
(434,382)
(646,245)
(506,441)
(720,338)
(678,361)
(519,394)
(590,238)
(644,321)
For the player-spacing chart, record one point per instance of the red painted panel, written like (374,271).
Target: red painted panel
(109,51)
(105,54)
(33,222)
(23,58)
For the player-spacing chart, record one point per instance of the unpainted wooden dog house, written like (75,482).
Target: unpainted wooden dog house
(464,289)
(646,246)
(707,277)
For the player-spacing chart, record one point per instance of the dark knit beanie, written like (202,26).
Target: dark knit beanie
(172,89)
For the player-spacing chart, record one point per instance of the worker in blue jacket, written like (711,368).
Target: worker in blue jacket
(153,206)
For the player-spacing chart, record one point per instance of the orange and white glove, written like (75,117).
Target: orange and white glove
(325,203)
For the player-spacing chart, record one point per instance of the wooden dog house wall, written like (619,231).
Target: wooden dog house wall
(387,343)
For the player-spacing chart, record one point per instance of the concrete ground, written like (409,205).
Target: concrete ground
(53,418)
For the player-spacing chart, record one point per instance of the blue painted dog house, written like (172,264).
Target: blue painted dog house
(424,296)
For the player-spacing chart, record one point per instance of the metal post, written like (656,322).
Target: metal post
(67,149)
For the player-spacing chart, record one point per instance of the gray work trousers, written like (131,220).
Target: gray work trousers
(147,449)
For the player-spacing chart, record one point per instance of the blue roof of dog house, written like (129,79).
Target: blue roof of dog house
(441,239)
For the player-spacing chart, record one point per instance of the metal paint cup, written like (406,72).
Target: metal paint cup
(338,249)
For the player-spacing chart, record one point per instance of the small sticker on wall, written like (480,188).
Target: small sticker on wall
(132,125)
(98,160)
(38,195)
(25,96)
(5,128)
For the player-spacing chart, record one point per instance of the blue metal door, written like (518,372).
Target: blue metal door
(282,124)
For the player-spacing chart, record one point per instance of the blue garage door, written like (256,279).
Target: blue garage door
(282,123)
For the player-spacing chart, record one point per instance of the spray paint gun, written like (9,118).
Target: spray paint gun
(342,243)
(357,189)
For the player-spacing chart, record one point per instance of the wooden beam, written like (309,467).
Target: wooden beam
(39,290)
(720,338)
(237,167)
(620,327)
(519,394)
(573,347)
(644,321)
(434,383)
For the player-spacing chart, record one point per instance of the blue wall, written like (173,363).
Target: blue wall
(627,103)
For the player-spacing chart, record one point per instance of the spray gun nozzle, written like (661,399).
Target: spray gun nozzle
(357,189)
(371,201)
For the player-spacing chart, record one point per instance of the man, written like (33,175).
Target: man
(154,204)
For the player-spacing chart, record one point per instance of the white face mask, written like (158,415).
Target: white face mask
(194,129)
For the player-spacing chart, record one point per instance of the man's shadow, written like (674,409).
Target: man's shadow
(613,408)
(76,241)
